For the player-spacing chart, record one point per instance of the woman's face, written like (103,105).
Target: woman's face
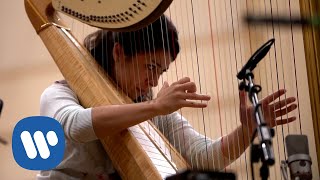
(136,75)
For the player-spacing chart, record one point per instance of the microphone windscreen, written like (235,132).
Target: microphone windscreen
(297,144)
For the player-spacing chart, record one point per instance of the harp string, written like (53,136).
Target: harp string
(267,84)
(147,59)
(220,69)
(272,88)
(206,86)
(233,87)
(170,44)
(284,74)
(219,94)
(205,76)
(187,60)
(295,69)
(278,75)
(241,62)
(181,140)
(243,162)
(184,143)
(281,138)
(288,129)
(214,98)
(160,74)
(193,45)
(155,78)
(199,76)
(233,75)
(166,66)
(281,77)
(232,79)
(154,74)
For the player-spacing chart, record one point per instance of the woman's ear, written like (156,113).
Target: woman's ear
(118,53)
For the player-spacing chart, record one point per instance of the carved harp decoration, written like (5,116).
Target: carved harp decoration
(215,44)
(112,15)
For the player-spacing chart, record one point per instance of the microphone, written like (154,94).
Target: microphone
(255,59)
(299,161)
(283,20)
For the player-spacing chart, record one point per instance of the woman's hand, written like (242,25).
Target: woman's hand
(271,108)
(177,95)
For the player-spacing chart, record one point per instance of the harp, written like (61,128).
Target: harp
(133,160)
(228,39)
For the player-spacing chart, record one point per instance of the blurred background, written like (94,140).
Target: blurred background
(26,69)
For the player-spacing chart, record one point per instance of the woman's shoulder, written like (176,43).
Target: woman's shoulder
(57,95)
(58,85)
(61,83)
(59,89)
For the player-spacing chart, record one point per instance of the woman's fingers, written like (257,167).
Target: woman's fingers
(194,104)
(180,94)
(189,87)
(272,97)
(181,81)
(282,103)
(194,96)
(165,85)
(283,121)
(285,111)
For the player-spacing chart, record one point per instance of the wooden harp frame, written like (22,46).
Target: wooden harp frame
(94,88)
(311,39)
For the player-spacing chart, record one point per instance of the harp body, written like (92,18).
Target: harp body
(224,46)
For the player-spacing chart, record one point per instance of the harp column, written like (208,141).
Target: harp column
(311,36)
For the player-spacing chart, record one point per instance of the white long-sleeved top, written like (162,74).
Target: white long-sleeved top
(85,157)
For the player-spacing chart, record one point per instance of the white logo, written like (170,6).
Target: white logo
(40,142)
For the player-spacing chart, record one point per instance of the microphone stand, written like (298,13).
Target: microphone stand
(283,168)
(263,150)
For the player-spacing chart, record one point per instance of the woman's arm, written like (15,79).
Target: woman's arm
(109,120)
(61,103)
(112,119)
(235,143)
(201,152)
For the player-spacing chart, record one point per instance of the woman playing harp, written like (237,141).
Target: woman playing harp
(135,60)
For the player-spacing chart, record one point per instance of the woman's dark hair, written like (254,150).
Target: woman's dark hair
(159,35)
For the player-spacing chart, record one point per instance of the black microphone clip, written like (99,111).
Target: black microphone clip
(255,59)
